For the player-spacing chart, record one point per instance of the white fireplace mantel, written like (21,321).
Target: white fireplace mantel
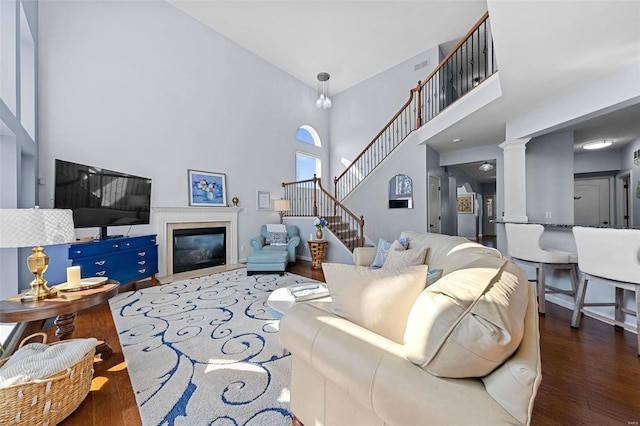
(161,217)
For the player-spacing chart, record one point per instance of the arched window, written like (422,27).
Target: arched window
(308,134)
(308,163)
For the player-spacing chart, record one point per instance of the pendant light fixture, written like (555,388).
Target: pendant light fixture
(324,98)
(485,167)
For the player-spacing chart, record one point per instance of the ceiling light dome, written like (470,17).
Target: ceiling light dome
(597,144)
(485,167)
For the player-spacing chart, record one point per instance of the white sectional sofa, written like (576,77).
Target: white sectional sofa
(468,355)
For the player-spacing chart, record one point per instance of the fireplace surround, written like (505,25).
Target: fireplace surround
(167,219)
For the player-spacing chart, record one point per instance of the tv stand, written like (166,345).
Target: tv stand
(105,236)
(124,259)
(110,237)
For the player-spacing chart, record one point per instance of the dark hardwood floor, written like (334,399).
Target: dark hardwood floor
(590,376)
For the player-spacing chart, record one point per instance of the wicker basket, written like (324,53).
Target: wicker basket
(48,401)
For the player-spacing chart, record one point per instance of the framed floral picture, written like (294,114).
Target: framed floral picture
(207,189)
(466,204)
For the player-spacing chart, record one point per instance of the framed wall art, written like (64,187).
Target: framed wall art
(263,200)
(207,189)
(466,203)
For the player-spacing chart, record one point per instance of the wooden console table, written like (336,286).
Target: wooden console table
(318,249)
(64,307)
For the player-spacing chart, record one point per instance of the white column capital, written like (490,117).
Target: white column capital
(514,144)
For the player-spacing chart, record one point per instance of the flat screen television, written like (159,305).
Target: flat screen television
(101,197)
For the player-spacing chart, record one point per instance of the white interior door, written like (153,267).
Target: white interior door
(592,201)
(435,206)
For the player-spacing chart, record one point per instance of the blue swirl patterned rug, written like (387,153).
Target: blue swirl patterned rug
(205,351)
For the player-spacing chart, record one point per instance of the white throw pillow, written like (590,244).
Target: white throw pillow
(377,299)
(404,258)
(383,248)
(470,321)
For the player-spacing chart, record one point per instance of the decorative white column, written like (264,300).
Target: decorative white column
(515,180)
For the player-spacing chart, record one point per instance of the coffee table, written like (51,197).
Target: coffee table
(281,300)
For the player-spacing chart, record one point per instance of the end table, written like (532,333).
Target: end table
(318,249)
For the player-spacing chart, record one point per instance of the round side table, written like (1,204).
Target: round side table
(318,249)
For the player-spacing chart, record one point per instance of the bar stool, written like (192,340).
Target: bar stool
(524,245)
(612,256)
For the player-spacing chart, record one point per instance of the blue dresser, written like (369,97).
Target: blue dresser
(125,259)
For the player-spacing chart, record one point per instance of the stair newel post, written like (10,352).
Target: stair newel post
(335,187)
(361,238)
(315,195)
(418,92)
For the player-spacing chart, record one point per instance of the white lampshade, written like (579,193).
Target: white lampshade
(281,205)
(35,227)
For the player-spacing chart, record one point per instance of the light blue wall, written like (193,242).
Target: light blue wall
(143,88)
(549,161)
(598,161)
(360,112)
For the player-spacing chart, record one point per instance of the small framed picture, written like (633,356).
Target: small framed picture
(207,189)
(263,200)
(466,204)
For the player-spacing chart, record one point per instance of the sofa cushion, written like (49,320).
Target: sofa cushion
(404,258)
(470,321)
(383,248)
(377,299)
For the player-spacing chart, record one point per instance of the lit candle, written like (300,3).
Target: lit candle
(73,276)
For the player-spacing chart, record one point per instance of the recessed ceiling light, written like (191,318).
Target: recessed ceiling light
(597,144)
(456,140)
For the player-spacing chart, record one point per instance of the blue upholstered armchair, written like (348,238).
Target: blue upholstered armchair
(264,241)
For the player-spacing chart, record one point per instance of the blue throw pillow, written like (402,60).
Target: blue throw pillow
(383,249)
(433,275)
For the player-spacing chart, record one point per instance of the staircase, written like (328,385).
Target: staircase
(470,63)
(309,198)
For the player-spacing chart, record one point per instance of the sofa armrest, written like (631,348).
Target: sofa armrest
(334,346)
(372,371)
(293,242)
(364,256)
(258,242)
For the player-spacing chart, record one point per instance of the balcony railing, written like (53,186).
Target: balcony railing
(468,65)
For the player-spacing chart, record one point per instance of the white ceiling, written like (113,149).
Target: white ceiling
(545,48)
(351,40)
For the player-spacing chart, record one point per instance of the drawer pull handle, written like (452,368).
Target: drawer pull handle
(142,253)
(128,244)
(142,262)
(101,273)
(116,245)
(78,251)
(101,262)
(141,271)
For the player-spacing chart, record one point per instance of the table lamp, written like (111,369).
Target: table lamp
(35,228)
(281,206)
